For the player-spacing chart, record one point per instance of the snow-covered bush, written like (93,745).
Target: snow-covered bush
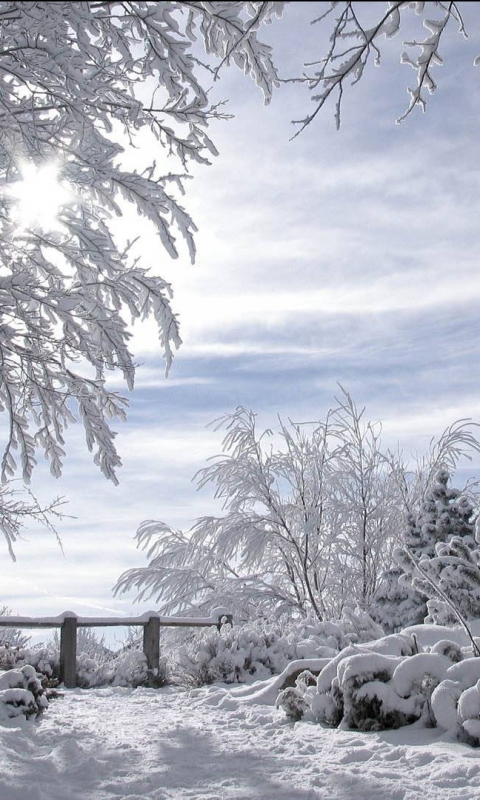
(241,654)
(10,637)
(21,693)
(292,699)
(127,668)
(255,651)
(322,639)
(339,693)
(96,664)
(89,643)
(392,682)
(43,657)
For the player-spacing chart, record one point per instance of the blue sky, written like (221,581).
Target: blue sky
(347,257)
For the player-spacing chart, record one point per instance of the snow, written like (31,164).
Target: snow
(444,703)
(212,744)
(408,672)
(428,634)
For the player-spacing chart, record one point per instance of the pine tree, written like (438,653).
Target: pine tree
(395,606)
(444,513)
(451,581)
(442,542)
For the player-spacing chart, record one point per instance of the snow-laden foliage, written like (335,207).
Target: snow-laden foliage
(89,643)
(310,522)
(81,84)
(444,513)
(89,88)
(256,650)
(126,668)
(392,682)
(450,578)
(440,557)
(21,693)
(355,41)
(235,655)
(11,637)
(395,605)
(96,664)
(18,507)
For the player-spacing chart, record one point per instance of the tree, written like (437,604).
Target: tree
(11,637)
(440,557)
(366,494)
(308,527)
(444,513)
(273,547)
(19,507)
(80,84)
(450,578)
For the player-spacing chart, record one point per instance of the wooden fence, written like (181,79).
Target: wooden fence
(68,622)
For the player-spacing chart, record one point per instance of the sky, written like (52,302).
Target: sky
(342,257)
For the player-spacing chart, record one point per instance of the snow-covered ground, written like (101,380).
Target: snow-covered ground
(215,744)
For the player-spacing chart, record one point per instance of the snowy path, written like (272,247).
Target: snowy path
(210,745)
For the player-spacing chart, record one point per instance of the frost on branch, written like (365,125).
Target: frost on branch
(17,508)
(353,44)
(73,83)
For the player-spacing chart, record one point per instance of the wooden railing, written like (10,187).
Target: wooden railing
(68,622)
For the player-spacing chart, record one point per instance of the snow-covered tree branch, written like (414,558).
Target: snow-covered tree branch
(19,507)
(74,78)
(356,31)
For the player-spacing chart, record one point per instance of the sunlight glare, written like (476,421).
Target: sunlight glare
(40,197)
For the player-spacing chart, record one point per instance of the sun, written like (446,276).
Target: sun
(39,197)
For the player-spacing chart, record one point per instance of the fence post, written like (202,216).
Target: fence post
(151,648)
(224,619)
(68,651)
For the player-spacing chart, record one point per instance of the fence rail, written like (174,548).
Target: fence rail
(69,622)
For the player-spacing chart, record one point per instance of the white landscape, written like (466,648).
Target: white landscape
(239,379)
(208,744)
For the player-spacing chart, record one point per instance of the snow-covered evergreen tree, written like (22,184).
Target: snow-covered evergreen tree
(395,606)
(442,543)
(444,513)
(450,579)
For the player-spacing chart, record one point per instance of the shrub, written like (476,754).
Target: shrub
(235,655)
(11,637)
(126,668)
(388,683)
(96,664)
(21,693)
